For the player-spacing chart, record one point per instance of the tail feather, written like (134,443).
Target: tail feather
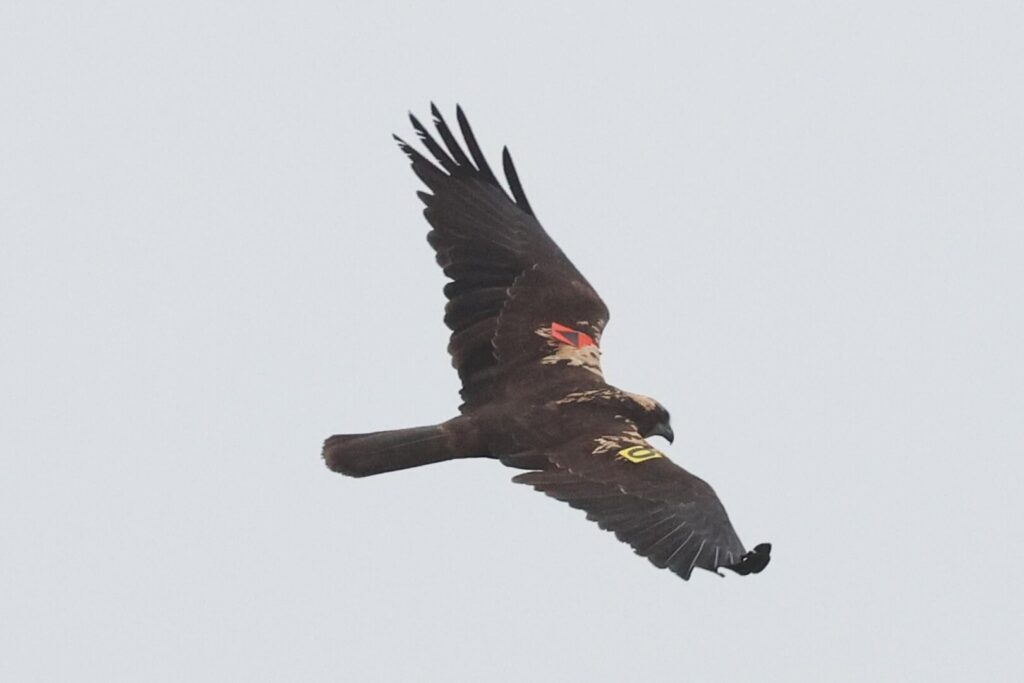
(361,455)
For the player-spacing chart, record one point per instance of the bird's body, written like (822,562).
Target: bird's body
(526,330)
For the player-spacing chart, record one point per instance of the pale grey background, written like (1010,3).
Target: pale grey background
(807,222)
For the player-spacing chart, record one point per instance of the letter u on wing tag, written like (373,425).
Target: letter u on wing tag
(637,454)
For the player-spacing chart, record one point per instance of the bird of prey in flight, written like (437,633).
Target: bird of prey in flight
(526,342)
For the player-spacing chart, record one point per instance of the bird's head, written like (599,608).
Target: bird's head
(662,426)
(652,418)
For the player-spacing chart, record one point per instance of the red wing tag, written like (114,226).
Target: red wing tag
(569,336)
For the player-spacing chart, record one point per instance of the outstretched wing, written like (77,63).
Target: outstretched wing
(666,514)
(515,300)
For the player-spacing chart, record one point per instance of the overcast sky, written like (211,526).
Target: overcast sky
(807,221)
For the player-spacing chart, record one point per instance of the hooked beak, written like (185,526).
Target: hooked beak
(663,430)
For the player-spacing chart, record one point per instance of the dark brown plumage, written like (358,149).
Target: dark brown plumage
(526,331)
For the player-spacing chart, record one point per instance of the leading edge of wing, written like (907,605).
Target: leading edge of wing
(666,514)
(453,160)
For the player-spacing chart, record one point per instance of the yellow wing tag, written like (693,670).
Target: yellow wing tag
(637,454)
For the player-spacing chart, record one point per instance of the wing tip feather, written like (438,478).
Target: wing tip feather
(754,561)
(455,162)
(513,181)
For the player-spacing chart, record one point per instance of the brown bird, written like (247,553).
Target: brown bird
(526,341)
